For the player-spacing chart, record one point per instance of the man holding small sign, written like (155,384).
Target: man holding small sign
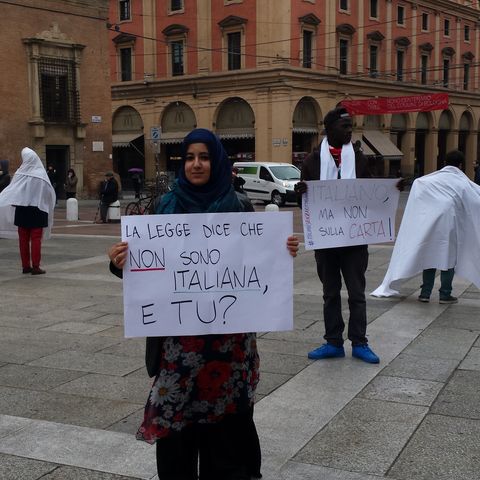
(337,160)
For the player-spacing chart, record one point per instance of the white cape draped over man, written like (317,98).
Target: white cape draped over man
(440,229)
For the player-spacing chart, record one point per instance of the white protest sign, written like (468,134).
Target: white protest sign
(199,274)
(340,213)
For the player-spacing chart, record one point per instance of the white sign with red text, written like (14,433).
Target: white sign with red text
(347,212)
(199,274)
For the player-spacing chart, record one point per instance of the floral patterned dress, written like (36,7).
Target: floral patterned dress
(201,379)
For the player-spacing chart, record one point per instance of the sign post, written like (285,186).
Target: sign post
(155,136)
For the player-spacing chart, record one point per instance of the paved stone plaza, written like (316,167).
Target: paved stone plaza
(72,389)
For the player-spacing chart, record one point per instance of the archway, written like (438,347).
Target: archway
(128,143)
(305,129)
(235,125)
(388,156)
(178,120)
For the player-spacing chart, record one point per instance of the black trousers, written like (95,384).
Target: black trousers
(351,263)
(228,450)
(104,211)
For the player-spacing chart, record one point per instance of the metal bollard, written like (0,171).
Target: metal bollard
(72,210)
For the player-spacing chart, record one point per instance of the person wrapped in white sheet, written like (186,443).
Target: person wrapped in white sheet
(440,229)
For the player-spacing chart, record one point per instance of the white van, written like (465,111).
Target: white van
(268,181)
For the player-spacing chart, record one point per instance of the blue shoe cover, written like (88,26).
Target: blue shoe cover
(327,350)
(363,352)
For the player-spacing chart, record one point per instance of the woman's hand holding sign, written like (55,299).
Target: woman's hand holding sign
(118,254)
(292,245)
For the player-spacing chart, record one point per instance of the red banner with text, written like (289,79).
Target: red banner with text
(416,103)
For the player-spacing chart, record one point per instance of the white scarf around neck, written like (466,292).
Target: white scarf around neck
(328,169)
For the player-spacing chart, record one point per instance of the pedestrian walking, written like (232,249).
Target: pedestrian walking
(52,176)
(197,413)
(137,183)
(71,184)
(28,204)
(108,195)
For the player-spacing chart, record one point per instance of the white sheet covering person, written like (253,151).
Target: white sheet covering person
(440,229)
(30,187)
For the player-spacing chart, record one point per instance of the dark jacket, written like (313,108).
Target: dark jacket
(52,176)
(4,175)
(153,350)
(71,184)
(30,217)
(311,166)
(477,176)
(109,191)
(238,183)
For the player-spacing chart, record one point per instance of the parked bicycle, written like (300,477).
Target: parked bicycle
(143,206)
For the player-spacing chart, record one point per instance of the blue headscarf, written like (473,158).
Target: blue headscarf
(217,195)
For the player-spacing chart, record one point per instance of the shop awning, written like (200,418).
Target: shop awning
(309,130)
(365,148)
(124,139)
(233,133)
(381,144)
(173,137)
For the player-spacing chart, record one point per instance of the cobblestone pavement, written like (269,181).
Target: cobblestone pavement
(72,388)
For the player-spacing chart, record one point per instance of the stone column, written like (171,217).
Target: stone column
(408,149)
(273,32)
(475,70)
(204,32)
(204,115)
(388,40)
(361,38)
(452,140)
(331,49)
(281,122)
(431,151)
(149,31)
(263,126)
(437,60)
(415,75)
(471,153)
(458,57)
(150,119)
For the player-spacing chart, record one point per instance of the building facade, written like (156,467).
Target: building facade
(55,87)
(262,74)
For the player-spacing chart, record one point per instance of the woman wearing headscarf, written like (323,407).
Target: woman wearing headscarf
(26,210)
(201,404)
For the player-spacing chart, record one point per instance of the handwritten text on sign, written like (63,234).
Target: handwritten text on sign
(339,213)
(207,273)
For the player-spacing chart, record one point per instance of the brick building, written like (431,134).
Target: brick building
(262,74)
(55,86)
